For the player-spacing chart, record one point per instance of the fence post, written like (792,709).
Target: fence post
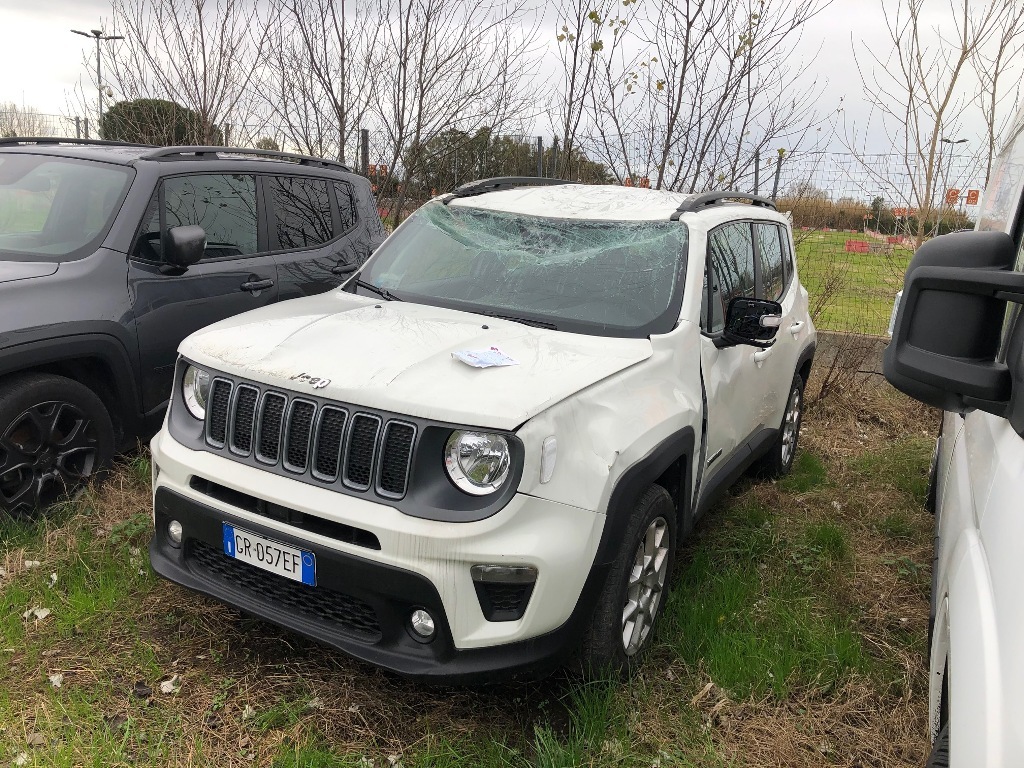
(778,171)
(757,171)
(87,128)
(364,146)
(540,156)
(78,128)
(554,157)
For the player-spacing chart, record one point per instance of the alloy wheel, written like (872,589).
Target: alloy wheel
(791,426)
(646,585)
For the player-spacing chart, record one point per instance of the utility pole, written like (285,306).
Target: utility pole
(98,35)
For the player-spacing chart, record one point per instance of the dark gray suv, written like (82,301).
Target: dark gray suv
(111,253)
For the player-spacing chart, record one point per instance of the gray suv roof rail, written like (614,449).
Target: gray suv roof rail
(184,152)
(11,140)
(705,199)
(483,186)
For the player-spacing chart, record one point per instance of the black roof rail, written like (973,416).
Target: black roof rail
(483,186)
(705,199)
(183,152)
(7,141)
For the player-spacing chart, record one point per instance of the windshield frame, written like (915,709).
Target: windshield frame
(89,247)
(663,323)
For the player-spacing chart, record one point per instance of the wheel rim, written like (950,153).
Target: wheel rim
(791,426)
(48,450)
(646,585)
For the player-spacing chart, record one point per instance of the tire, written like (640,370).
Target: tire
(55,437)
(939,756)
(779,459)
(616,642)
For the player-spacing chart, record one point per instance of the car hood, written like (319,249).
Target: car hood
(397,356)
(20,270)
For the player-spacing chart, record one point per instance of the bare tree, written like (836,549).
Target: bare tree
(201,54)
(991,68)
(691,92)
(23,121)
(320,79)
(444,66)
(920,92)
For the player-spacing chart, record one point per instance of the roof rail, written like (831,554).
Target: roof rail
(705,199)
(7,141)
(201,152)
(483,186)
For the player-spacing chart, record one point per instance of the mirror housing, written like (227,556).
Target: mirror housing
(752,321)
(949,323)
(184,246)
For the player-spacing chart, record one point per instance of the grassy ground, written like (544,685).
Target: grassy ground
(795,636)
(856,289)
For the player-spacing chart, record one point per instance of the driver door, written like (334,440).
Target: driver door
(237,273)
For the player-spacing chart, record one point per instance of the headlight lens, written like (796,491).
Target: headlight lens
(477,462)
(196,390)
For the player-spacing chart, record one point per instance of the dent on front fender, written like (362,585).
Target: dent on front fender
(608,427)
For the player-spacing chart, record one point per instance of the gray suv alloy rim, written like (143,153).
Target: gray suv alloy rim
(791,426)
(646,584)
(48,450)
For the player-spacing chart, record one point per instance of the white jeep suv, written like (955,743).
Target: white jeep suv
(480,455)
(958,344)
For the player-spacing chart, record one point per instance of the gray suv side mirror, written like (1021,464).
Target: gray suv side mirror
(752,321)
(184,246)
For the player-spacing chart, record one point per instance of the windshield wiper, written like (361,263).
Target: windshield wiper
(384,293)
(523,320)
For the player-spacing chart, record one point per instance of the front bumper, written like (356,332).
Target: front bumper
(364,597)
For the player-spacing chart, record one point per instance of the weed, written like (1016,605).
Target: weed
(896,526)
(902,465)
(807,474)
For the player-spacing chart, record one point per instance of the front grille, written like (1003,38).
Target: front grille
(326,443)
(338,609)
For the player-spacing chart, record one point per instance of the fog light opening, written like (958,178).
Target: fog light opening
(174,533)
(422,623)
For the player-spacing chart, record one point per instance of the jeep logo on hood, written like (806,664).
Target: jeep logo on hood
(314,381)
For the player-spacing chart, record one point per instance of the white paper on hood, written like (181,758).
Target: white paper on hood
(484,358)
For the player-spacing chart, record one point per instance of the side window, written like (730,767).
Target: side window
(773,268)
(731,262)
(346,206)
(302,210)
(224,205)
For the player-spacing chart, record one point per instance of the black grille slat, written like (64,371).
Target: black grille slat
(338,609)
(243,422)
(362,443)
(217,424)
(330,434)
(300,429)
(395,457)
(270,427)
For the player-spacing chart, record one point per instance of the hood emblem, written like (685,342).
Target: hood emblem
(314,381)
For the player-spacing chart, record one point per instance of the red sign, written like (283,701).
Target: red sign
(857,246)
(972,196)
(952,196)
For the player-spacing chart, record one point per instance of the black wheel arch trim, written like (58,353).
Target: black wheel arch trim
(806,357)
(101,347)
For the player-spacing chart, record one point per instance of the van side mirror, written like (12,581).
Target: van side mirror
(184,246)
(752,321)
(949,322)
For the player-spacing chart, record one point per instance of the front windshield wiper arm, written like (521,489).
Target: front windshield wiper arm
(523,320)
(384,293)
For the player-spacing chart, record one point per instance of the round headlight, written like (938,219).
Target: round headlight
(477,462)
(195,388)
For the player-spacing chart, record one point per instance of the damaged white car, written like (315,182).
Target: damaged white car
(480,456)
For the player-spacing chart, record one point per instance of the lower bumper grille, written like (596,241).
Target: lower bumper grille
(343,611)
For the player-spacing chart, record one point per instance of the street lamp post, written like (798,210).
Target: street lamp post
(952,143)
(98,35)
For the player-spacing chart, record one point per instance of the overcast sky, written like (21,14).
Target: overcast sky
(42,59)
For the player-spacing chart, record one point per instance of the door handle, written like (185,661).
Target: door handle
(796,327)
(761,355)
(254,286)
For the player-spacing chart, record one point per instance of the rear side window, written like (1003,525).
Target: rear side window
(731,260)
(224,205)
(346,206)
(773,261)
(302,211)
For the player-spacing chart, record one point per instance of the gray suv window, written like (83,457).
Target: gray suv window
(302,209)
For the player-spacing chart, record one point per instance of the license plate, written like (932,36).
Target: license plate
(291,562)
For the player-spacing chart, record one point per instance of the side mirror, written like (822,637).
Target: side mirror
(184,246)
(752,321)
(949,322)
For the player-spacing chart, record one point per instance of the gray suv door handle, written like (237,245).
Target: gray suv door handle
(256,285)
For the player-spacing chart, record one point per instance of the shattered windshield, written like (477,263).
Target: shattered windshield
(610,278)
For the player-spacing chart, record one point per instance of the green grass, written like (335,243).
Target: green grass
(902,465)
(868,282)
(807,474)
